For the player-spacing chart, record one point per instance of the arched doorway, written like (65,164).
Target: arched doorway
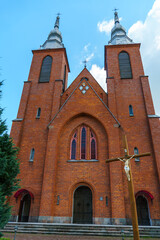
(24,209)
(82,211)
(142,211)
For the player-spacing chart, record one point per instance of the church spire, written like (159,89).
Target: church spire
(118,33)
(116,18)
(56,25)
(54,39)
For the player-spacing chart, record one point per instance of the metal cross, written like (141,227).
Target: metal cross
(115,9)
(85,63)
(127,167)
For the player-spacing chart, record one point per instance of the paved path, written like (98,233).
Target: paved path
(21,236)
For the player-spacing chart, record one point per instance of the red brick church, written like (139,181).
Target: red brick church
(66,134)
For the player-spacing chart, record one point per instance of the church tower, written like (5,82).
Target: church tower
(66,134)
(41,99)
(130,100)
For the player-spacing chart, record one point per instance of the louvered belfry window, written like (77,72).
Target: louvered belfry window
(125,65)
(46,69)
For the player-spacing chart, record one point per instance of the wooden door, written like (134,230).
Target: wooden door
(82,212)
(24,208)
(142,211)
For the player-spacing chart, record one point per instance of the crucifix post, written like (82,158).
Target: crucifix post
(127,167)
(132,198)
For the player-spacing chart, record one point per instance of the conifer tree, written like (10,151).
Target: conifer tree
(9,168)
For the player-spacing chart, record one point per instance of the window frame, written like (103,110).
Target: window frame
(93,138)
(125,66)
(73,138)
(131,114)
(136,151)
(81,142)
(38,113)
(32,154)
(42,70)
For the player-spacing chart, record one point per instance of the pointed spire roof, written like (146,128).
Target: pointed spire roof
(118,33)
(54,39)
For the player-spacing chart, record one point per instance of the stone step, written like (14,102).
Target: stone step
(80,229)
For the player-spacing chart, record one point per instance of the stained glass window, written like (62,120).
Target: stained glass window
(73,146)
(93,146)
(83,143)
(86,151)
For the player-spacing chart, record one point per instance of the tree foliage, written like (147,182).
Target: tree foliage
(9,168)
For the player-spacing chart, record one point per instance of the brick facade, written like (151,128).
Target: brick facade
(52,177)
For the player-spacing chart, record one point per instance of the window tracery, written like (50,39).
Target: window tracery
(85,138)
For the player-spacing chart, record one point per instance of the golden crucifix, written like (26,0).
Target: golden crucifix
(127,167)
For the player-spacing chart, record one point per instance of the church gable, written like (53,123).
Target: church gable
(83,99)
(85,74)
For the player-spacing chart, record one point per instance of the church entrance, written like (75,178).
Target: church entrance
(82,212)
(24,208)
(142,211)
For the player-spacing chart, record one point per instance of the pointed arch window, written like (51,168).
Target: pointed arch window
(131,111)
(32,155)
(46,69)
(136,151)
(83,143)
(93,145)
(125,65)
(73,146)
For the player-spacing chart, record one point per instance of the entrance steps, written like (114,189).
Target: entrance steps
(82,229)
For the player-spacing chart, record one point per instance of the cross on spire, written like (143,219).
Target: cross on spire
(115,9)
(116,19)
(85,63)
(58,14)
(57,21)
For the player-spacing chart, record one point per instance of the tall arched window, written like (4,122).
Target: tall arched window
(73,146)
(93,145)
(32,155)
(125,65)
(136,152)
(46,69)
(131,111)
(83,143)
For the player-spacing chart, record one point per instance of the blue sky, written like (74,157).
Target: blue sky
(85,27)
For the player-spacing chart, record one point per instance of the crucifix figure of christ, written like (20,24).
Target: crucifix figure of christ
(127,167)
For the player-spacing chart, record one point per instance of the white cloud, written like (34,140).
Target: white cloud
(106,26)
(148,34)
(89,57)
(86,47)
(100,75)
(157,42)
